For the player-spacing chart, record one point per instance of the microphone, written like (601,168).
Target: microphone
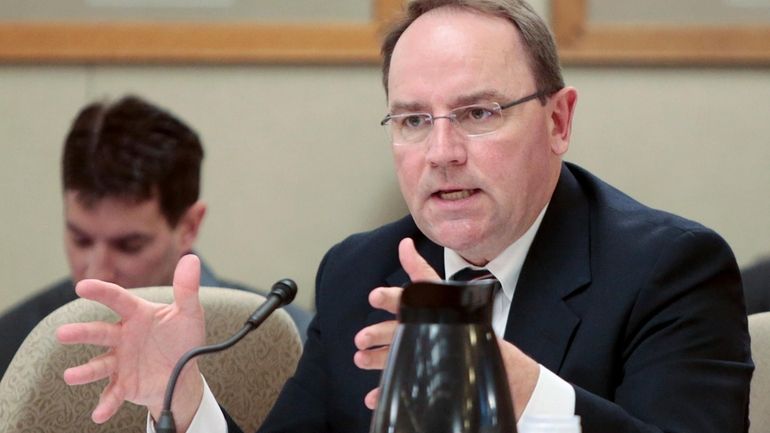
(282,293)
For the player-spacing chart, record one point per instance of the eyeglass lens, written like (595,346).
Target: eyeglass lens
(473,120)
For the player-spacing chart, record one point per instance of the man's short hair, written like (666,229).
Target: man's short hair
(537,38)
(132,150)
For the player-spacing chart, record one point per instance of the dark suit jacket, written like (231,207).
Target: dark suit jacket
(640,310)
(18,322)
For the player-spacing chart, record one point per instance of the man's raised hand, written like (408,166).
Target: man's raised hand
(373,342)
(143,347)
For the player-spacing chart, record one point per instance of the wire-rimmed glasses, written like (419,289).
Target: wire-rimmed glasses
(474,120)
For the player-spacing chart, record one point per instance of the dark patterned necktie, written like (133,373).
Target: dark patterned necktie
(469,274)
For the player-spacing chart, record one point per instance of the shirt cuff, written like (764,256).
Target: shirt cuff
(553,396)
(208,418)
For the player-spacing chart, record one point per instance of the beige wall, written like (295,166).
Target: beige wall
(296,159)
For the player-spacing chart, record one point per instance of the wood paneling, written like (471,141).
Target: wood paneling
(59,42)
(581,42)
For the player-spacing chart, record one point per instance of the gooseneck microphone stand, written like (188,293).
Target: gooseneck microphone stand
(282,293)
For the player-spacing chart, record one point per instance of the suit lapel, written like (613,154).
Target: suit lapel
(558,264)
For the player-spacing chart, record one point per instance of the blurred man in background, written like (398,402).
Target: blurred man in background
(131,184)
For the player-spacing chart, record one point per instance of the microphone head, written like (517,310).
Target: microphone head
(285,289)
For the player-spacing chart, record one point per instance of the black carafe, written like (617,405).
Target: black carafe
(444,373)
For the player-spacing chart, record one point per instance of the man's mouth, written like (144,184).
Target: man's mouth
(455,194)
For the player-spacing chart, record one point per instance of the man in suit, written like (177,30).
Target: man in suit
(629,317)
(131,180)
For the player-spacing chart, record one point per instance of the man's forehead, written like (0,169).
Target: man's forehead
(117,216)
(459,54)
(90,202)
(114,235)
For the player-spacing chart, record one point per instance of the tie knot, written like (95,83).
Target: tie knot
(469,274)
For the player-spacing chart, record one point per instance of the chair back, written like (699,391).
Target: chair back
(759,401)
(245,379)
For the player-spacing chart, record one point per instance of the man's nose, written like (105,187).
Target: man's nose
(101,264)
(446,143)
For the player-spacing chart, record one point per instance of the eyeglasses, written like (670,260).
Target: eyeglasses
(474,120)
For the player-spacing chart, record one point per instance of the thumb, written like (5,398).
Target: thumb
(415,266)
(186,283)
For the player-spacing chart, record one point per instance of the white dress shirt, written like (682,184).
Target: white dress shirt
(552,394)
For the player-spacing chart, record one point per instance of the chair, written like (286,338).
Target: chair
(759,403)
(245,379)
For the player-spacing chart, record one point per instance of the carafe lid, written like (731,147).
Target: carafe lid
(448,302)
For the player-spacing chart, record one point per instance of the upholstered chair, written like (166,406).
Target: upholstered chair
(245,379)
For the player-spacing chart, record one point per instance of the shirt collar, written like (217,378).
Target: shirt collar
(506,267)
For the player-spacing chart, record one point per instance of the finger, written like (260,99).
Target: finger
(109,402)
(186,283)
(414,265)
(111,295)
(372,398)
(96,369)
(95,333)
(375,336)
(386,298)
(372,359)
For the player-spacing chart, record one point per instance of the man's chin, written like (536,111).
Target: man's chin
(455,236)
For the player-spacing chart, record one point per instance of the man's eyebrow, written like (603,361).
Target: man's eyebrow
(459,101)
(476,97)
(408,107)
(75,229)
(131,237)
(134,236)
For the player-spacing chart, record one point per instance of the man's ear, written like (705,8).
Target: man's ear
(190,224)
(562,110)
